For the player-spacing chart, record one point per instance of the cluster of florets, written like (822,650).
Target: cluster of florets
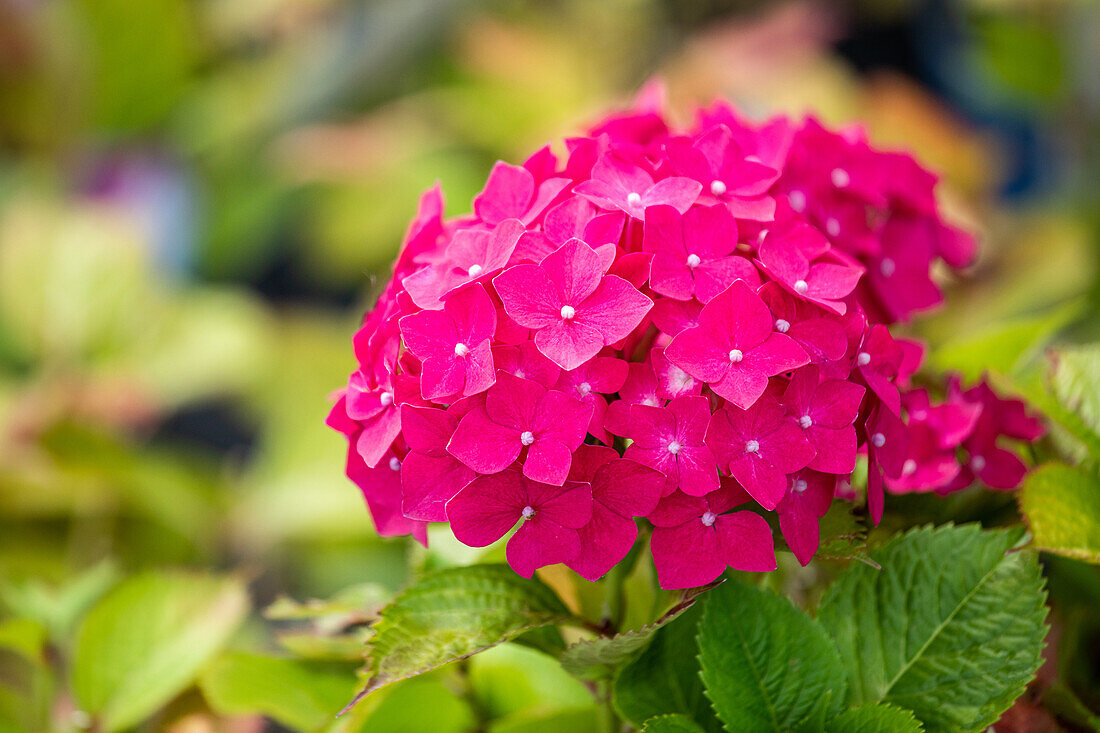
(686,328)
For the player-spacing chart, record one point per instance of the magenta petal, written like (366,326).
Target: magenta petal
(800,529)
(487,508)
(378,435)
(779,353)
(569,344)
(482,444)
(507,193)
(575,269)
(604,541)
(427,430)
(540,542)
(699,353)
(764,482)
(428,483)
(679,193)
(628,488)
(547,461)
(742,385)
(529,297)
(570,505)
(697,471)
(614,309)
(687,556)
(836,449)
(712,277)
(1002,469)
(442,376)
(746,541)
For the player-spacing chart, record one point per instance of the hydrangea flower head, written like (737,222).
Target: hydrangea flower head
(676,330)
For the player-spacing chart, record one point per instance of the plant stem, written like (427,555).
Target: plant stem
(607,719)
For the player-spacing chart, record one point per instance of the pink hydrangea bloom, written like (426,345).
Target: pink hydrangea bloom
(682,328)
(692,252)
(487,508)
(621,491)
(735,348)
(696,538)
(618,184)
(759,447)
(672,440)
(573,307)
(454,344)
(522,416)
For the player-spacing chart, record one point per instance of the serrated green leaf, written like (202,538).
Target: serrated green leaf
(300,695)
(1062,507)
(664,679)
(671,724)
(767,666)
(1074,379)
(598,658)
(950,628)
(145,641)
(880,718)
(453,613)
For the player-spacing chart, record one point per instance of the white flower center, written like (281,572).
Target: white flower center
(797,200)
(527,437)
(878,440)
(736,355)
(717,188)
(977,462)
(528,512)
(863,358)
(799,485)
(386,398)
(887,267)
(782,326)
(461,349)
(909,467)
(840,177)
(584,387)
(634,199)
(674,447)
(568,311)
(832,226)
(521,374)
(395,464)
(650,401)
(801,286)
(805,421)
(693,261)
(476,270)
(752,446)
(708,518)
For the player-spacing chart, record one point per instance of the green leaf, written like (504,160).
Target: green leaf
(299,695)
(1003,347)
(144,642)
(453,613)
(1062,506)
(1075,376)
(23,635)
(425,704)
(671,724)
(1063,701)
(664,679)
(843,532)
(950,628)
(874,719)
(767,666)
(598,658)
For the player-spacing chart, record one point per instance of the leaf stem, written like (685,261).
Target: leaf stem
(606,718)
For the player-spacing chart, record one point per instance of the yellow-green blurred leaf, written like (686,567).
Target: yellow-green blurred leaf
(1062,506)
(146,640)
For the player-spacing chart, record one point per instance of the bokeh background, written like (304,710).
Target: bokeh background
(198,199)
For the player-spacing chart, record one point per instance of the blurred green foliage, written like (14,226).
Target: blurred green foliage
(197,202)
